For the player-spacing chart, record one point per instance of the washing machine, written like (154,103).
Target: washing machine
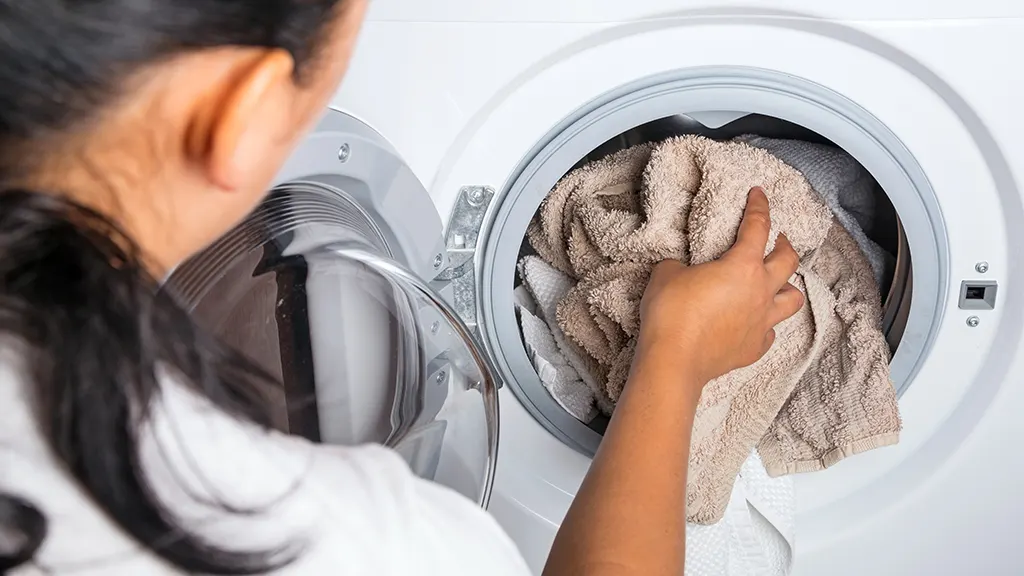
(458,117)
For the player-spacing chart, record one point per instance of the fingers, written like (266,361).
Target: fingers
(788,302)
(753,233)
(781,263)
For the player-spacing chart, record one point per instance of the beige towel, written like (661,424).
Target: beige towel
(821,393)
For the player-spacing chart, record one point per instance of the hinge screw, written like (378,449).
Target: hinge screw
(475,197)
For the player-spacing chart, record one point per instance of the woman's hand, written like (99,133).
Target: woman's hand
(716,317)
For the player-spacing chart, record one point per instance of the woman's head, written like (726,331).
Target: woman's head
(171,117)
(133,133)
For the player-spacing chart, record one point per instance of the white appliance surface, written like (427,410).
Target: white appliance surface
(464,89)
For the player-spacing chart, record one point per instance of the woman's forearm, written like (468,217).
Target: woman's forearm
(629,516)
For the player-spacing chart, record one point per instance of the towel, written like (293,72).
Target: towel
(547,287)
(846,187)
(756,536)
(560,377)
(820,394)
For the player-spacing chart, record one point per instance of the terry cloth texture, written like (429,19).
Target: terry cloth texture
(756,536)
(820,394)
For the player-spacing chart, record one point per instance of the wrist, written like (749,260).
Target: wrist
(682,358)
(668,368)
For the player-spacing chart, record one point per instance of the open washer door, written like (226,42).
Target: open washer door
(331,286)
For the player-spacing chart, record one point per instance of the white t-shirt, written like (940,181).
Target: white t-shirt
(357,510)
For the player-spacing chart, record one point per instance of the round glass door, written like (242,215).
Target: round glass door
(365,351)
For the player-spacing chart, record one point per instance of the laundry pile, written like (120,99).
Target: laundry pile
(822,392)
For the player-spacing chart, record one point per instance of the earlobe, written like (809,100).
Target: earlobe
(244,127)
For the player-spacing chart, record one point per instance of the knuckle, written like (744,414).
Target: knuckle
(759,218)
(751,268)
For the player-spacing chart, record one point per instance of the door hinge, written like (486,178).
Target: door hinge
(462,238)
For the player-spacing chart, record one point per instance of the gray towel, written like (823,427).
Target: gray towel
(847,188)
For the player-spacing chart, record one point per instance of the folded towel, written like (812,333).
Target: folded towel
(811,400)
(846,187)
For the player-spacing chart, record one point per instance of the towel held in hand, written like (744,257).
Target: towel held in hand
(821,393)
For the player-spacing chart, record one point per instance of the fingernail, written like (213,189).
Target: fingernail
(757,189)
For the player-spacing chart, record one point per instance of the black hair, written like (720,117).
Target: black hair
(72,286)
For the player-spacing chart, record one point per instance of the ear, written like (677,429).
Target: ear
(246,123)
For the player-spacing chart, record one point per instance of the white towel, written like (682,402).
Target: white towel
(560,379)
(571,383)
(755,536)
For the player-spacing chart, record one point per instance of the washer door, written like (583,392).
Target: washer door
(330,287)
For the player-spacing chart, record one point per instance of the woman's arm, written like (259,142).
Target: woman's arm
(697,323)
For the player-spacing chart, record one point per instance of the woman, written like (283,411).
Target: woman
(134,133)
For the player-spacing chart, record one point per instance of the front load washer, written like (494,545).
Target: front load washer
(486,105)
